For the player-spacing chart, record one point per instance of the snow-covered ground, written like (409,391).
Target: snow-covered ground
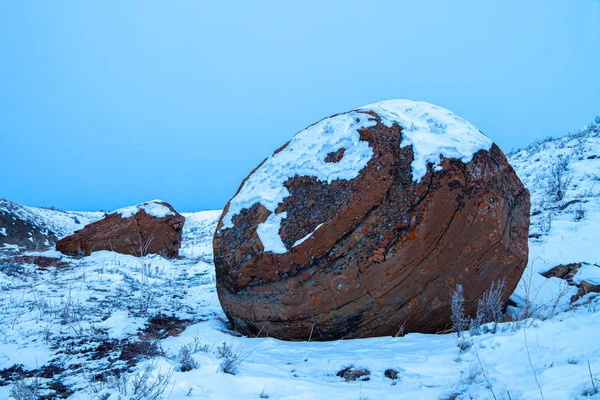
(565,231)
(198,233)
(110,325)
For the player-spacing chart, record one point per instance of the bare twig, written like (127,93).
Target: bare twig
(592,377)
(531,365)
(489,384)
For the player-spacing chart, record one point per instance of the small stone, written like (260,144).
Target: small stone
(351,374)
(391,374)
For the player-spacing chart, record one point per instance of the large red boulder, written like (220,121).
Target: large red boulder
(365,222)
(148,228)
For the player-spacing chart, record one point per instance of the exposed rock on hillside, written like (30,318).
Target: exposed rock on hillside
(149,228)
(33,228)
(365,221)
(570,273)
(24,233)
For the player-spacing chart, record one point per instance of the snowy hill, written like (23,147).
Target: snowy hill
(563,177)
(37,228)
(198,233)
(111,326)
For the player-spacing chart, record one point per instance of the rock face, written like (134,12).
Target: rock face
(149,228)
(365,222)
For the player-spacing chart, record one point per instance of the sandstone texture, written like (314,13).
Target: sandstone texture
(365,222)
(149,228)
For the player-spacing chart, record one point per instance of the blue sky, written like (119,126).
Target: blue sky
(108,103)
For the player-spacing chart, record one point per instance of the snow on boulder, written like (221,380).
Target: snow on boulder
(153,227)
(154,208)
(365,221)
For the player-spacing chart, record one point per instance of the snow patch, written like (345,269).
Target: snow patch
(432,131)
(30,357)
(588,273)
(268,232)
(3,232)
(120,325)
(305,238)
(152,208)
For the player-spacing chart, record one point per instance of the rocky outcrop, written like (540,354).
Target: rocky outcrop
(149,228)
(365,222)
(568,272)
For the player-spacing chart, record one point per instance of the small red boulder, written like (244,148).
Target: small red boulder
(153,227)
